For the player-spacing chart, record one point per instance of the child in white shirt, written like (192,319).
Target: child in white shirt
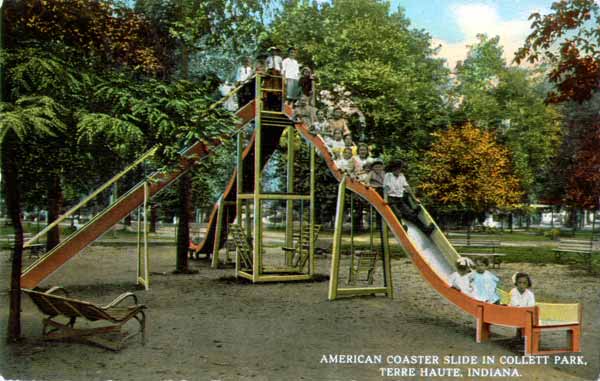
(521,295)
(291,74)
(461,279)
(346,163)
(362,162)
(336,143)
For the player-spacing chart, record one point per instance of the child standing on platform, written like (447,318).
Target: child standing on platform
(291,75)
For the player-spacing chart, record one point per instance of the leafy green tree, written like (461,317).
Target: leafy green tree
(28,116)
(389,68)
(510,102)
(477,78)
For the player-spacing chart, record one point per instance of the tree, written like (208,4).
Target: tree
(107,31)
(387,66)
(207,37)
(478,76)
(567,177)
(568,40)
(510,102)
(28,116)
(466,169)
(583,184)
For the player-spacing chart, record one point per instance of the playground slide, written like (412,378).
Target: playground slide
(435,258)
(73,244)
(227,200)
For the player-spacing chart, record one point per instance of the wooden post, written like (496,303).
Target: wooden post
(289,211)
(337,240)
(257,231)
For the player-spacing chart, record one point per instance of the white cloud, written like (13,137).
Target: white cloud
(473,19)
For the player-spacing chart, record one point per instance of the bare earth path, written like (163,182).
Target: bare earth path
(207,326)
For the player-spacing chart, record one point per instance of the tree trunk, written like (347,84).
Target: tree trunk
(153,217)
(183,228)
(55,203)
(13,206)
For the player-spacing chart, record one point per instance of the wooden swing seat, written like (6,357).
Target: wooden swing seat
(301,246)
(55,306)
(365,261)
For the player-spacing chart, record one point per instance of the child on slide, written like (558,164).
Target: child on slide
(521,295)
(485,282)
(462,278)
(346,162)
(336,143)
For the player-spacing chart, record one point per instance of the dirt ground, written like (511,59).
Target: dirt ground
(207,326)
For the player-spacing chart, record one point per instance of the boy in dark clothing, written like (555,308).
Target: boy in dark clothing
(400,197)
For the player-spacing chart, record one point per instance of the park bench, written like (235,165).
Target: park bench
(364,261)
(581,247)
(480,242)
(55,306)
(34,250)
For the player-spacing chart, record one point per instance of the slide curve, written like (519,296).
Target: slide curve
(434,257)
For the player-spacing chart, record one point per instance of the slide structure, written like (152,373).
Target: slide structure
(434,257)
(274,122)
(127,203)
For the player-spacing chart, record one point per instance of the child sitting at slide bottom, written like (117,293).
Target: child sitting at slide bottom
(521,295)
(485,282)
(461,279)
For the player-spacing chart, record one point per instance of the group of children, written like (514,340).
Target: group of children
(357,162)
(297,80)
(482,284)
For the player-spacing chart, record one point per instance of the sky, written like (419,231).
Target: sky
(455,23)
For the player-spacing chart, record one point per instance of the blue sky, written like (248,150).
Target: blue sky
(455,23)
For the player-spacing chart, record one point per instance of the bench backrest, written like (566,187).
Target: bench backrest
(575,245)
(54,305)
(475,242)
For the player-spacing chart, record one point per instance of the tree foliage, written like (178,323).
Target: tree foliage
(388,67)
(106,30)
(583,184)
(510,102)
(568,39)
(466,169)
